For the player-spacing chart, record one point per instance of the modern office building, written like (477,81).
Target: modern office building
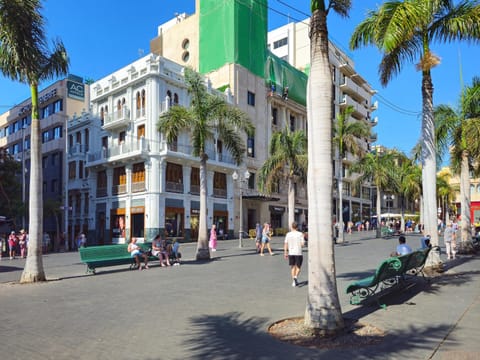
(57,102)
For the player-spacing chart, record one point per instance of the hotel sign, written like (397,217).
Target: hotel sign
(75,90)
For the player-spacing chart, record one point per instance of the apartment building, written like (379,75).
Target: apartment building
(57,102)
(291,43)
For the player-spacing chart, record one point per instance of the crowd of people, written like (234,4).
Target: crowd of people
(165,251)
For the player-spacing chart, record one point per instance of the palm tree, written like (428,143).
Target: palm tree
(445,191)
(409,181)
(404,31)
(287,160)
(459,131)
(323,311)
(25,57)
(380,170)
(346,139)
(208,117)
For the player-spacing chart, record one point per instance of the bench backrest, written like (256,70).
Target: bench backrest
(417,260)
(388,269)
(104,252)
(405,260)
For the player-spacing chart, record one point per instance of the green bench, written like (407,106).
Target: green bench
(109,255)
(391,272)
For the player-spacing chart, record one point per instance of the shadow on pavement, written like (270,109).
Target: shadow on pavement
(230,336)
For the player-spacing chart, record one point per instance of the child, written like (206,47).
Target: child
(176,252)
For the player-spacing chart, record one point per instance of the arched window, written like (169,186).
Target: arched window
(169,94)
(119,105)
(144,101)
(478,188)
(175,99)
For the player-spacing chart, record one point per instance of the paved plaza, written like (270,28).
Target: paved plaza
(222,309)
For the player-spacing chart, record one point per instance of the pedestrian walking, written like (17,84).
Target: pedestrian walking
(292,251)
(12,244)
(22,242)
(266,239)
(450,239)
(212,244)
(258,236)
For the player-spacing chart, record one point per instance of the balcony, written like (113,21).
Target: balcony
(220,193)
(359,111)
(119,189)
(348,86)
(119,119)
(101,192)
(125,152)
(187,151)
(176,187)
(138,186)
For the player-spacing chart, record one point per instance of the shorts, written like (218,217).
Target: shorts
(265,239)
(295,260)
(136,253)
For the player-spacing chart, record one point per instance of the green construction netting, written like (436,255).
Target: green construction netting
(279,75)
(233,32)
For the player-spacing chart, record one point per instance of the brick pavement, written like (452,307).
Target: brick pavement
(221,309)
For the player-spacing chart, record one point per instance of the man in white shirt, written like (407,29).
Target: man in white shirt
(294,242)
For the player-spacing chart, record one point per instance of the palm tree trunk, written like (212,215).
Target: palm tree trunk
(379,212)
(323,311)
(429,168)
(33,271)
(291,202)
(202,244)
(341,237)
(465,244)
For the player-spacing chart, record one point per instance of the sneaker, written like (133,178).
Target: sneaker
(146,267)
(214,249)
(140,268)
(272,253)
(262,255)
(294,283)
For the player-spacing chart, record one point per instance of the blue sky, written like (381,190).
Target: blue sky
(102,36)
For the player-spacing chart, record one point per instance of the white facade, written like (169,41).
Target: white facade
(140,184)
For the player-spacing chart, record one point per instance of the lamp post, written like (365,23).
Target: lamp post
(241,180)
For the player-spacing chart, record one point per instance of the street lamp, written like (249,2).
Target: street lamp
(241,180)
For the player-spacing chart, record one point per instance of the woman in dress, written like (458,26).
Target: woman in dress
(212,244)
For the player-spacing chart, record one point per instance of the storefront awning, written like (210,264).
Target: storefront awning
(260,197)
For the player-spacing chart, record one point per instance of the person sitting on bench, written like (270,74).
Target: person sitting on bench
(136,252)
(176,251)
(402,247)
(159,249)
